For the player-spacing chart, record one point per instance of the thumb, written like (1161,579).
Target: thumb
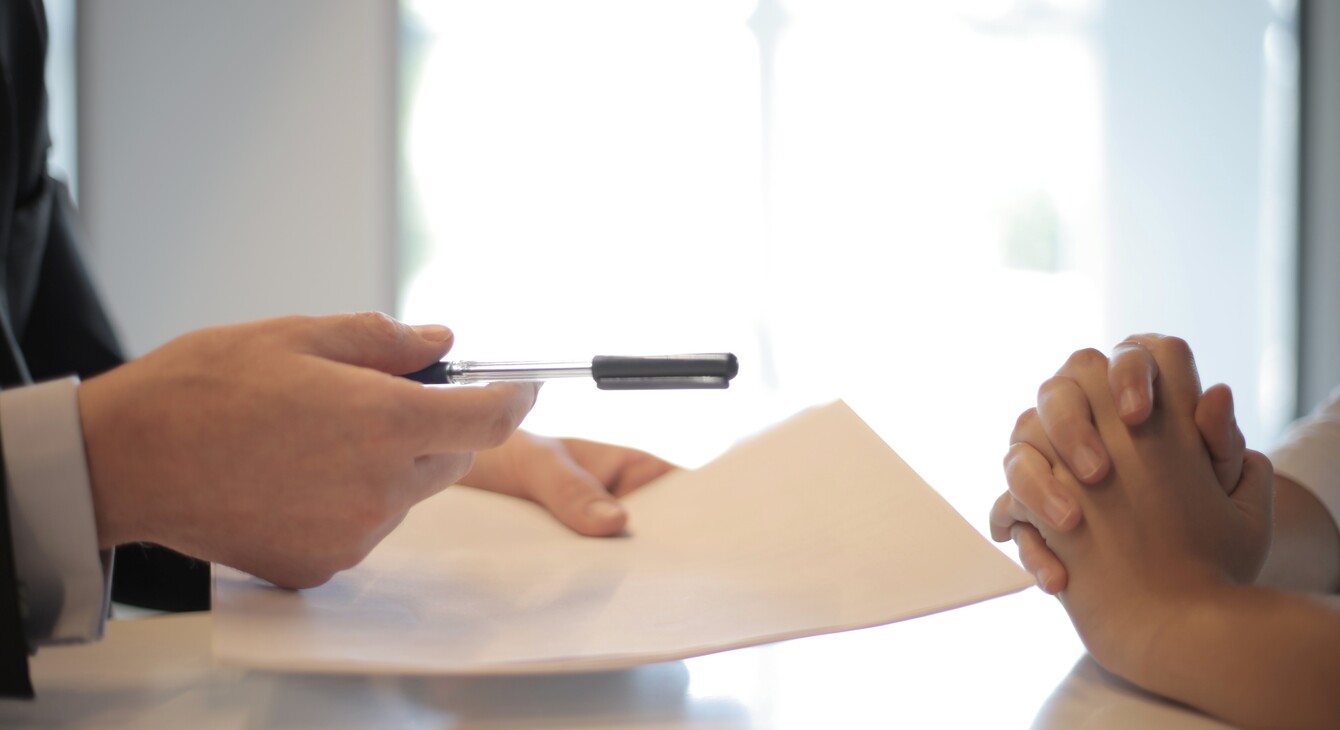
(378,341)
(1219,429)
(1254,499)
(576,498)
(1255,492)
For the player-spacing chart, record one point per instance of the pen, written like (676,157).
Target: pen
(611,372)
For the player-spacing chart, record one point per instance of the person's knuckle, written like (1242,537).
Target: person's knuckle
(1024,424)
(1175,347)
(1013,454)
(1145,339)
(501,423)
(1028,489)
(1058,393)
(1068,431)
(379,326)
(459,466)
(572,486)
(289,325)
(1086,358)
(1050,387)
(446,469)
(1055,400)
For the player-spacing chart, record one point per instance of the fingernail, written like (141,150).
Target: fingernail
(1058,510)
(433,332)
(1130,402)
(604,511)
(1043,576)
(1086,463)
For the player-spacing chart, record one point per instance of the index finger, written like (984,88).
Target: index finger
(467,418)
(1068,422)
(1178,384)
(1131,377)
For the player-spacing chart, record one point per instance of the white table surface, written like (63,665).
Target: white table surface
(1012,662)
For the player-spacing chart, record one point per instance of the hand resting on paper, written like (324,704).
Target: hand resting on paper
(578,481)
(288,448)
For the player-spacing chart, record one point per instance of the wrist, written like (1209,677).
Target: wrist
(116,523)
(1176,644)
(1135,632)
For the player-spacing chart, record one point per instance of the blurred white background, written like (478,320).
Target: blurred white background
(919,207)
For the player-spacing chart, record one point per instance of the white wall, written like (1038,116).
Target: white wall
(1200,200)
(1320,331)
(62,158)
(237,159)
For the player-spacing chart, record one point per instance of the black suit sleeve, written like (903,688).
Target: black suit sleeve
(65,330)
(20,46)
(14,679)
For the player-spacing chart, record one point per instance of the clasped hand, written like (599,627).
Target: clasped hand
(1130,490)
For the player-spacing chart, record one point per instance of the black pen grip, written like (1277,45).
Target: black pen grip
(708,370)
(435,374)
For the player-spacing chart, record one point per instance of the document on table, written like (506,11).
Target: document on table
(812,527)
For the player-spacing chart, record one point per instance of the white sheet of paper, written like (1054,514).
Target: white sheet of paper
(813,527)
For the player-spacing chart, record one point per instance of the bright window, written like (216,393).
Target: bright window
(919,207)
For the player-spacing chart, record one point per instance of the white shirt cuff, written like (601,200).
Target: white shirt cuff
(64,582)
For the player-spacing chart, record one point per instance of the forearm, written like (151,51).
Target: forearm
(1305,552)
(1256,657)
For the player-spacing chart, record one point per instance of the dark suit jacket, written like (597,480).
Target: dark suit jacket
(51,321)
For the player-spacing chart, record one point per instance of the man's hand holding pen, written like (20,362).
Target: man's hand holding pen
(287,449)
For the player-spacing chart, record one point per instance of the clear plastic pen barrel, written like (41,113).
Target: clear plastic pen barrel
(467,371)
